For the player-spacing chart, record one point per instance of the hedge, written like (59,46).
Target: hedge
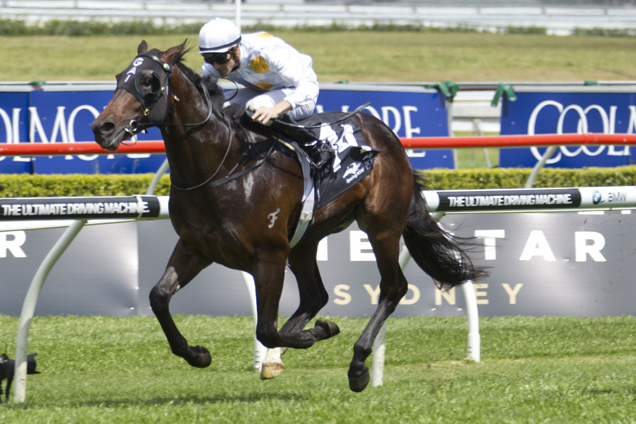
(71,28)
(24,185)
(517,177)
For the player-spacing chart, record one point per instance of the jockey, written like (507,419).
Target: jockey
(278,79)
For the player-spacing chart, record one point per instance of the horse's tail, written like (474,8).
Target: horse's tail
(439,253)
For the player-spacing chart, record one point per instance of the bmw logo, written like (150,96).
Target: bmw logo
(596,197)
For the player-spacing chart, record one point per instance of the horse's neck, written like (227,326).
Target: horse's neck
(194,151)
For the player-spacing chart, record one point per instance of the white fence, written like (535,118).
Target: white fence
(292,13)
(83,210)
(76,212)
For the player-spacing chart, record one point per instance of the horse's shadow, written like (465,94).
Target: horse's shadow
(182,399)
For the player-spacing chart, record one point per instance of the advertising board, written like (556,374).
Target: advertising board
(569,110)
(409,111)
(540,264)
(64,115)
(13,114)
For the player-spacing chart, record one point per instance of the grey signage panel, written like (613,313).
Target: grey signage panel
(554,264)
(352,280)
(96,275)
(347,268)
(540,264)
(217,290)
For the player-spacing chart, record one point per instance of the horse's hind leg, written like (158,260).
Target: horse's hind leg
(313,297)
(183,266)
(385,240)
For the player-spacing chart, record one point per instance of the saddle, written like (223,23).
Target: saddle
(331,151)
(320,151)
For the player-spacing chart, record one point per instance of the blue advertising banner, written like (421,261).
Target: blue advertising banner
(41,116)
(59,116)
(13,121)
(409,112)
(65,117)
(604,110)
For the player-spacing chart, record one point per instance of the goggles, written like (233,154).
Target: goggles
(218,58)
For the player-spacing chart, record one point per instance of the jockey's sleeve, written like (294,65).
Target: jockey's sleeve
(296,70)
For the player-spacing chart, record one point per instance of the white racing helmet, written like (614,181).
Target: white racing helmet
(218,36)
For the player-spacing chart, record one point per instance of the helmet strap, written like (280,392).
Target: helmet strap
(236,55)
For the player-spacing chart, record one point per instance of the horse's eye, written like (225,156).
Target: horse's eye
(146,82)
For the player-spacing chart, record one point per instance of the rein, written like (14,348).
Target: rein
(229,177)
(133,126)
(130,81)
(337,121)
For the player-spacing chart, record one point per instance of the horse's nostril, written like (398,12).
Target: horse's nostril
(105,128)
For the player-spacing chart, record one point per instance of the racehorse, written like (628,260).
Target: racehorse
(240,209)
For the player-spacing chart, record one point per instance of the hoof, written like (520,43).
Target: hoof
(271,370)
(199,357)
(359,383)
(329,328)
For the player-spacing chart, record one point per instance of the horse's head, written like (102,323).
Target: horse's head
(141,96)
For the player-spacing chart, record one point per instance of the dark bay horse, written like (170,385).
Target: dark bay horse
(240,210)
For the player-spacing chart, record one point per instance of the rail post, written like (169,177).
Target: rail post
(30,301)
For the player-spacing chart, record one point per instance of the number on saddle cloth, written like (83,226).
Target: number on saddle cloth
(349,158)
(352,159)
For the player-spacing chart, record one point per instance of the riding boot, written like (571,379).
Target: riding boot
(320,151)
(286,126)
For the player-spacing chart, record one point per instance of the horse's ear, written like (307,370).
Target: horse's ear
(143,47)
(173,53)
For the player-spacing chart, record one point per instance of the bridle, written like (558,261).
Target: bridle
(155,102)
(155,105)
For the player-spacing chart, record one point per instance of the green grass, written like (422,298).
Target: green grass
(476,158)
(533,369)
(351,55)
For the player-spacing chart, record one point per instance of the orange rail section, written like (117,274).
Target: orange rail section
(503,141)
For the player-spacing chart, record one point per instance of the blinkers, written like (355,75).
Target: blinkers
(147,79)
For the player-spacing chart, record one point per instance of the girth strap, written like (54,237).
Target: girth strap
(309,193)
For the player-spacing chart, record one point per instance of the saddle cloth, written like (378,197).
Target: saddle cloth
(353,159)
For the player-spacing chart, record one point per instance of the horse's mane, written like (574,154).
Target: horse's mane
(216,94)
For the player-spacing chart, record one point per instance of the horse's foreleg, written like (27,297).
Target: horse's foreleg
(311,290)
(272,365)
(268,273)
(313,297)
(393,287)
(182,268)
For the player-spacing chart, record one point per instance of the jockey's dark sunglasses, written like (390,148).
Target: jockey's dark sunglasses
(218,58)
